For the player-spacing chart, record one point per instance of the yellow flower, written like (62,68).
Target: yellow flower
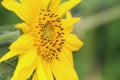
(45,48)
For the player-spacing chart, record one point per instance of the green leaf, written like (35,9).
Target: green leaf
(9,37)
(5,28)
(8,34)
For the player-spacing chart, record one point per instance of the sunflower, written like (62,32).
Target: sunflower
(45,48)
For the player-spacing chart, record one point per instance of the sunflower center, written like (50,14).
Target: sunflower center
(47,31)
(49,35)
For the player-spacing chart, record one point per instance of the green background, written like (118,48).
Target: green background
(99,29)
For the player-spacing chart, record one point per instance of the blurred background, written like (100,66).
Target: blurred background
(99,29)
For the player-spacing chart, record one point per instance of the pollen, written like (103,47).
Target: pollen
(49,35)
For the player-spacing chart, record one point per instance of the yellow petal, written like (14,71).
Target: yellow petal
(72,42)
(54,4)
(40,71)
(66,23)
(45,4)
(24,27)
(66,6)
(10,54)
(47,70)
(57,71)
(68,15)
(23,42)
(64,59)
(69,28)
(67,56)
(26,65)
(62,71)
(35,5)
(44,71)
(35,77)
(23,11)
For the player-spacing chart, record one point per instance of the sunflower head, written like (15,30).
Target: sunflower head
(48,35)
(47,43)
